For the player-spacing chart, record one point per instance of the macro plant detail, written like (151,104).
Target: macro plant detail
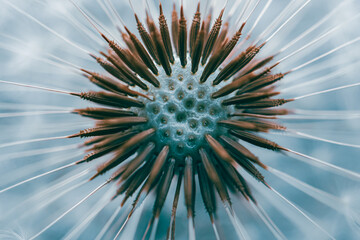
(180,108)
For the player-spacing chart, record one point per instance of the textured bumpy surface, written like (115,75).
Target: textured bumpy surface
(183,111)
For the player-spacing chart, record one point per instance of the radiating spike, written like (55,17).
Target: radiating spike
(237,64)
(261,83)
(268,112)
(251,169)
(165,35)
(123,54)
(160,48)
(189,186)
(242,125)
(194,29)
(138,67)
(161,194)
(218,57)
(255,66)
(163,188)
(113,70)
(241,150)
(207,191)
(218,149)
(212,36)
(110,84)
(222,38)
(232,176)
(197,50)
(103,113)
(175,29)
(156,168)
(121,121)
(124,149)
(213,175)
(143,54)
(248,97)
(147,40)
(138,160)
(266,103)
(256,140)
(98,131)
(133,182)
(107,143)
(189,192)
(125,71)
(110,99)
(129,43)
(182,38)
(251,115)
(171,229)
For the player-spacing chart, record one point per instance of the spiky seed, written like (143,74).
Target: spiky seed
(143,54)
(212,36)
(236,64)
(110,99)
(107,145)
(242,125)
(242,81)
(163,188)
(124,149)
(103,113)
(256,65)
(110,84)
(165,35)
(197,50)
(147,40)
(156,168)
(189,186)
(261,83)
(175,29)
(213,175)
(218,57)
(160,48)
(171,230)
(129,43)
(233,177)
(222,38)
(138,160)
(218,149)
(194,29)
(110,68)
(268,112)
(133,182)
(182,38)
(241,150)
(256,140)
(207,191)
(123,54)
(266,103)
(248,97)
(125,71)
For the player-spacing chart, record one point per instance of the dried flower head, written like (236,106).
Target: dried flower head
(178,106)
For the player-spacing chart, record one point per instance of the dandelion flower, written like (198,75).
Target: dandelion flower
(179,120)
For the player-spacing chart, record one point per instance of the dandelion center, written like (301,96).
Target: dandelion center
(183,111)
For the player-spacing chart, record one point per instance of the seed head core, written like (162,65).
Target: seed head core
(183,111)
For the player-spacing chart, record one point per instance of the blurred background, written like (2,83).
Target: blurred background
(43,42)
